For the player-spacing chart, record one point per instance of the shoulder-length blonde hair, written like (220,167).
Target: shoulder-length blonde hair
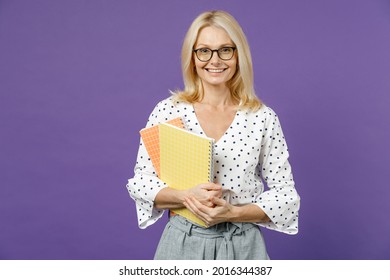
(241,84)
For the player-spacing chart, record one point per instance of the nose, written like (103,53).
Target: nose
(214,56)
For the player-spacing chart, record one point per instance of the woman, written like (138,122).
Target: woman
(219,101)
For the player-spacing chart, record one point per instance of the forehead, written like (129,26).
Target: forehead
(212,36)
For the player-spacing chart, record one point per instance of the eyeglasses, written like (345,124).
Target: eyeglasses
(205,54)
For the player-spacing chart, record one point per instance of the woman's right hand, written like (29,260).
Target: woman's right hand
(168,198)
(205,192)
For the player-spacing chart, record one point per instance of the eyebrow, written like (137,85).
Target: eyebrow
(220,46)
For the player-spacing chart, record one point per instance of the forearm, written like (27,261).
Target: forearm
(169,198)
(250,213)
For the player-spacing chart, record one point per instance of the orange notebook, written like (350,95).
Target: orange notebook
(151,139)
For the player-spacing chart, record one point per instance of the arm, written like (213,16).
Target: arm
(169,198)
(151,195)
(145,184)
(249,213)
(276,208)
(281,201)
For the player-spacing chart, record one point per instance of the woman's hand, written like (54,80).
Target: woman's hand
(169,198)
(222,211)
(204,193)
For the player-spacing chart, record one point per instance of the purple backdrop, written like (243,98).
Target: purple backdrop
(78,79)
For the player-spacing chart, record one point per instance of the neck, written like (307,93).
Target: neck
(217,96)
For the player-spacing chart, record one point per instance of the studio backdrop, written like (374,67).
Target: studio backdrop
(78,80)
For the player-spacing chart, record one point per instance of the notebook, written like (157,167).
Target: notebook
(186,160)
(150,137)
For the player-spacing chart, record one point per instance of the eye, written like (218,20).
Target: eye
(204,51)
(225,50)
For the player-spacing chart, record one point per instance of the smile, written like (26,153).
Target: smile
(215,70)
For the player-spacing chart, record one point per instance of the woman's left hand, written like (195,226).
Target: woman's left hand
(221,212)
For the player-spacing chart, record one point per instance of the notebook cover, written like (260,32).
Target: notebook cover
(186,160)
(150,137)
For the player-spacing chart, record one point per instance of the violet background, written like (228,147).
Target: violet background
(78,80)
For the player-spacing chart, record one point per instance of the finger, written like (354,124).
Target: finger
(190,205)
(218,201)
(196,205)
(209,204)
(204,213)
(198,208)
(216,193)
(213,187)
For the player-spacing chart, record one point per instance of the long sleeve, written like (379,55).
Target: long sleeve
(252,150)
(145,184)
(281,202)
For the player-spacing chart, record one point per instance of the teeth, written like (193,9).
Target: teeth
(215,70)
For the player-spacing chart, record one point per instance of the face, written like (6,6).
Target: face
(215,72)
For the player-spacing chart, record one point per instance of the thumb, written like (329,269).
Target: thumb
(213,187)
(218,201)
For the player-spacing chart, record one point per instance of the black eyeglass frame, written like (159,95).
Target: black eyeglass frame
(212,53)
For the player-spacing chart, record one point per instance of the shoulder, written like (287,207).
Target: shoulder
(166,110)
(264,119)
(164,104)
(264,112)
(170,103)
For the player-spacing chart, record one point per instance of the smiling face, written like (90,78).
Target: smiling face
(215,72)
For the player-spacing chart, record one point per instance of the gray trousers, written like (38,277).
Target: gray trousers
(182,240)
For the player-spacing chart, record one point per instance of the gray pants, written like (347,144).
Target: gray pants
(182,240)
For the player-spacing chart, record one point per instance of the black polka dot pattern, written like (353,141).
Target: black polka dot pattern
(251,154)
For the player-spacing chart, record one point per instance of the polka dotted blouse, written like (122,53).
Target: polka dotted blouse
(252,153)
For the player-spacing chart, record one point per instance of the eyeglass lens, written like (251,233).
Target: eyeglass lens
(205,54)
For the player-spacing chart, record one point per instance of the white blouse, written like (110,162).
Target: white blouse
(252,152)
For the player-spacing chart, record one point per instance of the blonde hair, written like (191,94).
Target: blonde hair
(241,84)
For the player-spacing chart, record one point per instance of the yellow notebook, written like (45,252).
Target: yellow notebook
(186,160)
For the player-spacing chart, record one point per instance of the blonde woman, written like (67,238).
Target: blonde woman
(219,101)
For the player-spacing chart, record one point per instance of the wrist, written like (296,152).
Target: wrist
(234,214)
(181,195)
(249,213)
